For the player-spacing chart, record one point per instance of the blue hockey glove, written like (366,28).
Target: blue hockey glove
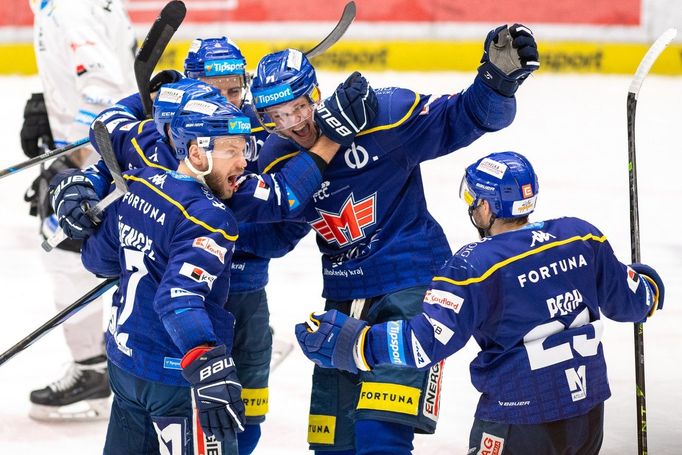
(71,195)
(509,56)
(649,274)
(334,340)
(216,390)
(350,109)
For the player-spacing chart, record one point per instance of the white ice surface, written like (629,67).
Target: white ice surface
(573,130)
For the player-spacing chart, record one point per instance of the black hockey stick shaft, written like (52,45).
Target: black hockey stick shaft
(106,151)
(149,54)
(58,319)
(346,19)
(642,70)
(44,157)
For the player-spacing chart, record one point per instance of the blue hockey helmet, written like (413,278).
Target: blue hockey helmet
(214,57)
(281,77)
(204,121)
(506,180)
(172,96)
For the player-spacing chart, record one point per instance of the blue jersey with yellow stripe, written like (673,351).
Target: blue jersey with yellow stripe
(137,143)
(531,298)
(373,227)
(171,242)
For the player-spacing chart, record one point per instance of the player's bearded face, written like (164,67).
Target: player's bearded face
(294,120)
(228,165)
(231,87)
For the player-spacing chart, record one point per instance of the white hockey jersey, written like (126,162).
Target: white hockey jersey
(85,53)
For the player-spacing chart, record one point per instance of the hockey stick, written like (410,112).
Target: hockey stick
(160,34)
(44,157)
(347,18)
(107,152)
(58,318)
(642,70)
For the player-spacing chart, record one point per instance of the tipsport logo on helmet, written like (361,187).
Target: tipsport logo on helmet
(224,67)
(274,95)
(239,125)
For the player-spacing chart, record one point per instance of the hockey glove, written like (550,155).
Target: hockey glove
(71,195)
(334,340)
(350,109)
(654,279)
(216,390)
(509,56)
(36,126)
(163,77)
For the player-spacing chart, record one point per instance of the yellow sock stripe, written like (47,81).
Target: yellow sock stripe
(654,286)
(518,257)
(396,124)
(278,160)
(139,151)
(232,238)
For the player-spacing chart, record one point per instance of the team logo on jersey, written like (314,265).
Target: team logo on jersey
(445,299)
(490,445)
(633,279)
(356,157)
(577,383)
(348,225)
(197,274)
(541,237)
(210,246)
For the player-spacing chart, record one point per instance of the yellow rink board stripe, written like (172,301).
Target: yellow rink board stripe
(421,55)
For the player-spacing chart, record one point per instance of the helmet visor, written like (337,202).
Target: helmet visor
(225,147)
(233,88)
(465,193)
(286,116)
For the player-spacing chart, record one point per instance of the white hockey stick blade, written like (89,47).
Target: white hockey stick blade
(280,351)
(649,58)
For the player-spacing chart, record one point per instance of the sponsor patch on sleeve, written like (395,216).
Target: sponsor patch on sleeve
(210,246)
(420,357)
(179,292)
(197,274)
(262,191)
(394,338)
(441,332)
(633,279)
(445,299)
(293,200)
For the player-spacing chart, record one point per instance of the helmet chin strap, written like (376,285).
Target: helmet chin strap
(482,231)
(201,174)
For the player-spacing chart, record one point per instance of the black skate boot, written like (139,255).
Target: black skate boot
(82,394)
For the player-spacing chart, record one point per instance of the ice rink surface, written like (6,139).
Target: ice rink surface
(572,128)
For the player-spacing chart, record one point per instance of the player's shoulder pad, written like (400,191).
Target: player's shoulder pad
(457,271)
(396,105)
(566,228)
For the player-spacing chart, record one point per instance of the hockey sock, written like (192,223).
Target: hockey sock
(248,439)
(374,437)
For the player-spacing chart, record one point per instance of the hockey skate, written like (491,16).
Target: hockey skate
(83,394)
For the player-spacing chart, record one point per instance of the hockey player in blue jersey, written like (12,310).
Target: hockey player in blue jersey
(531,295)
(379,244)
(171,242)
(220,63)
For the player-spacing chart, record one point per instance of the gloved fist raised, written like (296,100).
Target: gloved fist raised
(36,126)
(509,56)
(334,340)
(656,283)
(71,195)
(216,390)
(350,109)
(164,77)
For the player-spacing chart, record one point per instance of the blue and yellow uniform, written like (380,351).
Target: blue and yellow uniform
(532,299)
(380,245)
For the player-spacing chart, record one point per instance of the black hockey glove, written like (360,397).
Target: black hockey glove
(509,56)
(350,109)
(162,78)
(36,126)
(216,390)
(71,195)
